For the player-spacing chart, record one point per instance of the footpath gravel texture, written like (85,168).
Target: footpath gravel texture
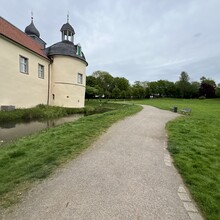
(125,175)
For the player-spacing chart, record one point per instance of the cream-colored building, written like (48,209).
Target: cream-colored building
(31,74)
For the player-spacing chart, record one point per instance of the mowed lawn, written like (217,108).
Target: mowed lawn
(33,158)
(194,142)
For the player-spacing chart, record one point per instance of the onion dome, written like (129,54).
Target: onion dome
(32,30)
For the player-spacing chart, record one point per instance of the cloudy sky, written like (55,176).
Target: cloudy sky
(144,40)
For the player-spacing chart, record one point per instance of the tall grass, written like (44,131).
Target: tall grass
(38,112)
(41,112)
(194,142)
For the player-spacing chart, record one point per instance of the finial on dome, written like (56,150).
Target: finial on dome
(31,29)
(68,16)
(32,16)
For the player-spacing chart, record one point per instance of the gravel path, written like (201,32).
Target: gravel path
(126,175)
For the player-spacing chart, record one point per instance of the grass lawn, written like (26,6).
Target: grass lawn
(35,157)
(194,142)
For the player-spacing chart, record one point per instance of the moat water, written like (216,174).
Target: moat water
(11,131)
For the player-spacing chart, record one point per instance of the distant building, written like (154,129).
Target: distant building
(32,74)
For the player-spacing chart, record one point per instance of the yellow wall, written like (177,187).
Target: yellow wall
(16,88)
(67,91)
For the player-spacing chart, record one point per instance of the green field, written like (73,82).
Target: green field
(194,142)
(35,157)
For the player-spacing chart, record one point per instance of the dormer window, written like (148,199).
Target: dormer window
(79,51)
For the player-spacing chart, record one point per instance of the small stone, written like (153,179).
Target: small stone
(181,189)
(184,197)
(190,207)
(195,216)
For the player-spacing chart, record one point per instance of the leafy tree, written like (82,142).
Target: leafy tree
(217,91)
(121,83)
(195,89)
(116,93)
(138,90)
(207,88)
(183,85)
(91,81)
(162,88)
(104,81)
(91,92)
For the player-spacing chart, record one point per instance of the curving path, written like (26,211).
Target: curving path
(126,175)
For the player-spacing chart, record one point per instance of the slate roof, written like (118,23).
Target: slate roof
(66,48)
(32,30)
(67,27)
(13,33)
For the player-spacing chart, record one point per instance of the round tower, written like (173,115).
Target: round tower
(68,70)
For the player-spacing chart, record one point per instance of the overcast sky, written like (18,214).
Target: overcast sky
(144,40)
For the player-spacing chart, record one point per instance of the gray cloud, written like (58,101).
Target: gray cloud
(139,40)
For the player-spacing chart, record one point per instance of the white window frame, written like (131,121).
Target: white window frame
(23,64)
(80,78)
(40,71)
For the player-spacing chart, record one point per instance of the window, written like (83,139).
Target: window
(79,52)
(23,65)
(40,71)
(80,78)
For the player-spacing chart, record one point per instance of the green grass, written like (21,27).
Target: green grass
(35,157)
(194,142)
(41,112)
(38,112)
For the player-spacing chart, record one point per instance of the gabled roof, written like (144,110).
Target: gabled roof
(13,33)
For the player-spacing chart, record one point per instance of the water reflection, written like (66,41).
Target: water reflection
(11,131)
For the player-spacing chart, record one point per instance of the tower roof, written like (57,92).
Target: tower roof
(13,33)
(67,27)
(32,30)
(65,48)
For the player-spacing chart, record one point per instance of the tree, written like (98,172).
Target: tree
(207,87)
(195,89)
(116,93)
(217,91)
(138,90)
(105,81)
(91,81)
(183,85)
(121,83)
(162,88)
(91,92)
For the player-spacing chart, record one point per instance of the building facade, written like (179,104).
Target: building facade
(32,74)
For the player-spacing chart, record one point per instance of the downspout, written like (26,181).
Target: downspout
(48,91)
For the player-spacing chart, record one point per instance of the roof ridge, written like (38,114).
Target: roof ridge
(13,25)
(15,34)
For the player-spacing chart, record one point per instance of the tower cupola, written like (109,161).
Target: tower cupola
(67,32)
